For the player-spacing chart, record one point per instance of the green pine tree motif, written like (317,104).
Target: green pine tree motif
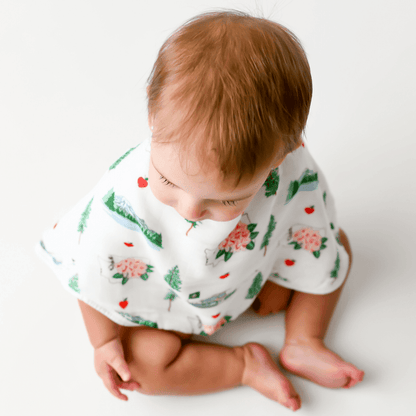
(73,283)
(171,296)
(122,157)
(83,222)
(173,279)
(266,238)
(194,224)
(255,287)
(272,182)
(338,238)
(307,178)
(152,236)
(334,272)
(324,197)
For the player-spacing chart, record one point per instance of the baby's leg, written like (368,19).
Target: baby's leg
(304,352)
(164,364)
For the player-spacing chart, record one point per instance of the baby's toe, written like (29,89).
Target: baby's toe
(355,376)
(294,403)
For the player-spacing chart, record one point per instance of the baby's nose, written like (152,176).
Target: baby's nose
(191,210)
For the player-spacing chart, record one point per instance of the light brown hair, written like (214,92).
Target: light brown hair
(237,85)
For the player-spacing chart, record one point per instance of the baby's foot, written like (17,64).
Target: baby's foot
(263,374)
(311,359)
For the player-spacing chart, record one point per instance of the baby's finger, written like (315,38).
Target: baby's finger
(129,385)
(121,367)
(109,379)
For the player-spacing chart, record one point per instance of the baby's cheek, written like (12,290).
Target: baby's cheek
(227,214)
(159,194)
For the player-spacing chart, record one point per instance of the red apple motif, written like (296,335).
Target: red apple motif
(124,303)
(224,276)
(142,182)
(289,262)
(303,144)
(128,244)
(310,209)
(216,316)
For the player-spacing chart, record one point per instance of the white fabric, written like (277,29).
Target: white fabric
(139,262)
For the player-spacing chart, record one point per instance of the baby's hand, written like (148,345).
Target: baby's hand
(112,368)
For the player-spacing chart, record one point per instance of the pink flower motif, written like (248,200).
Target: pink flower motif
(238,239)
(131,268)
(210,329)
(223,245)
(308,238)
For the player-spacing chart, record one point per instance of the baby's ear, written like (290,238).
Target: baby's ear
(277,163)
(150,122)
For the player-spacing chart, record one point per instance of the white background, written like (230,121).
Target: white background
(72,100)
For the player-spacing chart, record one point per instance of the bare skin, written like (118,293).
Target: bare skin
(307,319)
(170,363)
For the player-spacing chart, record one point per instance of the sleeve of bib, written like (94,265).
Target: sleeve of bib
(73,245)
(309,255)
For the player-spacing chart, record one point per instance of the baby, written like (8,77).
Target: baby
(221,209)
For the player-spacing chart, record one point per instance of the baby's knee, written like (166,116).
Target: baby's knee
(154,347)
(150,351)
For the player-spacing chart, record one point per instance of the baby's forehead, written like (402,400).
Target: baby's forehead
(168,158)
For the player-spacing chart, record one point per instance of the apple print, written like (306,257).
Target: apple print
(303,144)
(216,316)
(310,210)
(289,262)
(124,303)
(224,276)
(128,244)
(142,182)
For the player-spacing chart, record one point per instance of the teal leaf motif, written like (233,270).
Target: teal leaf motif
(220,253)
(334,272)
(250,245)
(251,227)
(118,276)
(297,246)
(84,216)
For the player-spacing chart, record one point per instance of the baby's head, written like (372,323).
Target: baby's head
(228,99)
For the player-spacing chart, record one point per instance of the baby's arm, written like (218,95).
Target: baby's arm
(100,328)
(109,357)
